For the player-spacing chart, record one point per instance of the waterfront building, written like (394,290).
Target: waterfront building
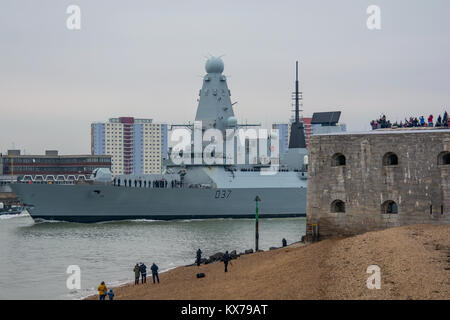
(50,166)
(136,146)
(284,130)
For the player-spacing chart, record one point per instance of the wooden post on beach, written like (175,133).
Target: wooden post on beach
(256,225)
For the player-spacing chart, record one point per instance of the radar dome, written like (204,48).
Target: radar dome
(214,65)
(232,122)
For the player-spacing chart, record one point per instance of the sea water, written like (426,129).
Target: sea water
(34,257)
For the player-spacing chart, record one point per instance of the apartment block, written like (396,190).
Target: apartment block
(136,146)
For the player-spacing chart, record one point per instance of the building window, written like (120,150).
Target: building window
(389,207)
(338,160)
(338,206)
(390,159)
(444,158)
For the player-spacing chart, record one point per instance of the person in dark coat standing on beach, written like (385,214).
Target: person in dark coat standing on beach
(199,256)
(143,270)
(137,273)
(284,242)
(226,259)
(154,268)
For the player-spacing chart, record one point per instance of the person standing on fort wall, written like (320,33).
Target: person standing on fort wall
(439,121)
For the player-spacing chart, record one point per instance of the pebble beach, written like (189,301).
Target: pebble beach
(414,263)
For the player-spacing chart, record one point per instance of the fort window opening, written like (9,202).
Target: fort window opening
(338,206)
(389,207)
(338,160)
(390,159)
(444,158)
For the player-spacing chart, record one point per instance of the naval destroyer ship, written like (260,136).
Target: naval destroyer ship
(186,190)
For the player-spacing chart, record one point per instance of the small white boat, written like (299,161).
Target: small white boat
(8,209)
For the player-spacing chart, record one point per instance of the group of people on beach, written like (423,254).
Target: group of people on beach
(383,123)
(226,258)
(140,272)
(103,292)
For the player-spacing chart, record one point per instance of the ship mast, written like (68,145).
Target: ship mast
(12,168)
(297,138)
(297,104)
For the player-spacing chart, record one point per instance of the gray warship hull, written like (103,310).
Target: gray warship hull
(95,203)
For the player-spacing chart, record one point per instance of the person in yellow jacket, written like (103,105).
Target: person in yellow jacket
(102,291)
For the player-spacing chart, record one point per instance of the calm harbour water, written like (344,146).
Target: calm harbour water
(34,256)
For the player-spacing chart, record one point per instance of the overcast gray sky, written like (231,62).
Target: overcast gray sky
(146,59)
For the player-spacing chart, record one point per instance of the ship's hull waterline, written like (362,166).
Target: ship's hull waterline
(96,203)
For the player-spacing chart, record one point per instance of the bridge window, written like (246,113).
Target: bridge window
(338,160)
(444,158)
(389,207)
(338,206)
(390,159)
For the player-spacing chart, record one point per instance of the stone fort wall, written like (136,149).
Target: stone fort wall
(377,180)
